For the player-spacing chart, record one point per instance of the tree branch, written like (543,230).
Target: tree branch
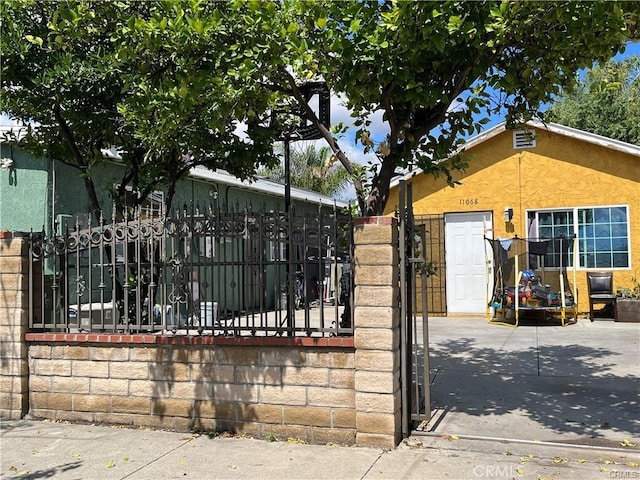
(68,137)
(391,115)
(335,148)
(96,210)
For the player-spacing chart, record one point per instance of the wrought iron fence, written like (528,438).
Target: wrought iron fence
(197,270)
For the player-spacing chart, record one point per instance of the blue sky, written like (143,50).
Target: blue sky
(632,49)
(378,129)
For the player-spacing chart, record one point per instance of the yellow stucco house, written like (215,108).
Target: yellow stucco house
(530,185)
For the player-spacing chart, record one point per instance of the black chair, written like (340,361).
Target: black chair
(600,287)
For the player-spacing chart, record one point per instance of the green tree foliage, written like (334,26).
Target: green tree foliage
(606,101)
(148,77)
(313,169)
(174,82)
(414,61)
(53,83)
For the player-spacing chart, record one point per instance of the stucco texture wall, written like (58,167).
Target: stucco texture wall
(559,172)
(24,192)
(36,190)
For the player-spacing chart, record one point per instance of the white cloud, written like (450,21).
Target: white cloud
(355,152)
(340,113)
(458,105)
(6,121)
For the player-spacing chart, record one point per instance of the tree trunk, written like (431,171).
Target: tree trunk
(380,186)
(94,204)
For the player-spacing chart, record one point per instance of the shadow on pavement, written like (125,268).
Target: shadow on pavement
(53,472)
(533,389)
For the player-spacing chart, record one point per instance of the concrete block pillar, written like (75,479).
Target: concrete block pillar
(377,334)
(14,372)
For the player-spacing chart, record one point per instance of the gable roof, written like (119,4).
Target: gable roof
(264,186)
(581,135)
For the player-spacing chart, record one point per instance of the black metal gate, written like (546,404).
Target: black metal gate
(435,285)
(414,333)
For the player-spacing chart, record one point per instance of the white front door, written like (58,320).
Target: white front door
(466,260)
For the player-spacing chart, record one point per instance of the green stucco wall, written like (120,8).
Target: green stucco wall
(41,193)
(24,192)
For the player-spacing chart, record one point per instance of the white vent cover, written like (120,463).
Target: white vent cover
(524,139)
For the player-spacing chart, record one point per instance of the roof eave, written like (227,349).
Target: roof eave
(551,127)
(265,187)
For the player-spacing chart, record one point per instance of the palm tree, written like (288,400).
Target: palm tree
(313,169)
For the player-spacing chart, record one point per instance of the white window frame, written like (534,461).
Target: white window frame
(205,245)
(575,231)
(154,199)
(278,248)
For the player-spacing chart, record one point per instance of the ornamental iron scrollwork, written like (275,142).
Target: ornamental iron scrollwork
(201,268)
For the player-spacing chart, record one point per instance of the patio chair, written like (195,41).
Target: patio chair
(600,288)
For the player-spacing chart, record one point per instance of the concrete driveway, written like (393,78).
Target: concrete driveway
(539,382)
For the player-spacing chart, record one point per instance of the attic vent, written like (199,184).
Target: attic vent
(524,139)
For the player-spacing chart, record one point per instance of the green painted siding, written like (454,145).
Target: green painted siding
(40,192)
(24,193)
(37,190)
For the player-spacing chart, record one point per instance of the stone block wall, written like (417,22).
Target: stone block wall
(332,389)
(14,322)
(377,332)
(301,392)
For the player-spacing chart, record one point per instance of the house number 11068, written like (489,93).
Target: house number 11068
(469,201)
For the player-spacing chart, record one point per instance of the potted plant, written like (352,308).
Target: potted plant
(628,303)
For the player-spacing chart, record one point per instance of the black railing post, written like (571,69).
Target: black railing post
(287,209)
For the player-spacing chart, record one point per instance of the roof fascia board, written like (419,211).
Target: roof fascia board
(18,130)
(264,186)
(483,137)
(591,138)
(588,137)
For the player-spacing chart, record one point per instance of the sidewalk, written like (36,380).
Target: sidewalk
(535,402)
(35,450)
